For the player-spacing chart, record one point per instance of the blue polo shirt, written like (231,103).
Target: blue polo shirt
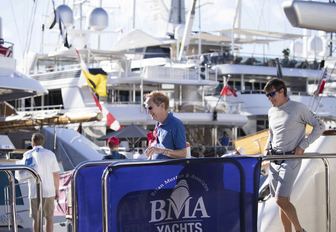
(171,135)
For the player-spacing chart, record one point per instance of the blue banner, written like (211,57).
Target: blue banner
(89,197)
(215,194)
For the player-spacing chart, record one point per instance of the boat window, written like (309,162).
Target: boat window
(256,85)
(54,98)
(155,51)
(16,104)
(248,86)
(123,96)
(37,101)
(27,102)
(137,97)
(237,85)
(262,124)
(241,132)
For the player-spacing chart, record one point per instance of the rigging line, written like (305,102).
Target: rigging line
(284,21)
(30,28)
(16,25)
(261,15)
(27,35)
(44,22)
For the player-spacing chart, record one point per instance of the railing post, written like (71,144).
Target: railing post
(12,195)
(327,189)
(105,199)
(7,169)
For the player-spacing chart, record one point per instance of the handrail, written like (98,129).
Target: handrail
(12,194)
(327,175)
(7,169)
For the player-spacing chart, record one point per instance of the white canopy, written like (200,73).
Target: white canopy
(14,85)
(257,36)
(137,39)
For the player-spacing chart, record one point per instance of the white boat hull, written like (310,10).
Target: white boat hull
(309,194)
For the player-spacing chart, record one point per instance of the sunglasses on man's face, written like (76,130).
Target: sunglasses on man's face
(273,93)
(148,108)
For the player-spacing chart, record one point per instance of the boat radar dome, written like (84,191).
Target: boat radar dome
(66,15)
(98,19)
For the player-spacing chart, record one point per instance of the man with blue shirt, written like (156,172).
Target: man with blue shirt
(169,133)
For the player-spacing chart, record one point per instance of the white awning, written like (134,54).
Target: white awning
(242,36)
(14,85)
(137,39)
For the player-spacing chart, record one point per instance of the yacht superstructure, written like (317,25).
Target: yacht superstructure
(138,63)
(250,75)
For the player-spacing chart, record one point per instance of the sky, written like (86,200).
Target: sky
(18,16)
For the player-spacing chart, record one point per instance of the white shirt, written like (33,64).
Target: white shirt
(140,156)
(45,163)
(287,125)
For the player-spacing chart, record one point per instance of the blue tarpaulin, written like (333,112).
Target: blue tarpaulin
(88,195)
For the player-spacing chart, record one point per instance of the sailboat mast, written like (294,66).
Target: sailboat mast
(331,35)
(199,30)
(134,10)
(236,23)
(187,30)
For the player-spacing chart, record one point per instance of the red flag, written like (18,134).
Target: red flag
(321,88)
(228,91)
(111,121)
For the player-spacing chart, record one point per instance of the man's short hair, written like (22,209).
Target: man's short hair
(37,139)
(276,84)
(157,98)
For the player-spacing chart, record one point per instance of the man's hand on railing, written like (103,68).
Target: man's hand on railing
(264,167)
(298,151)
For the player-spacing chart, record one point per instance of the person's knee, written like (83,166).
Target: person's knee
(283,202)
(49,219)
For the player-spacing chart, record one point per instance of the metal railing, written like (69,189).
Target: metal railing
(327,175)
(11,194)
(7,169)
(324,159)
